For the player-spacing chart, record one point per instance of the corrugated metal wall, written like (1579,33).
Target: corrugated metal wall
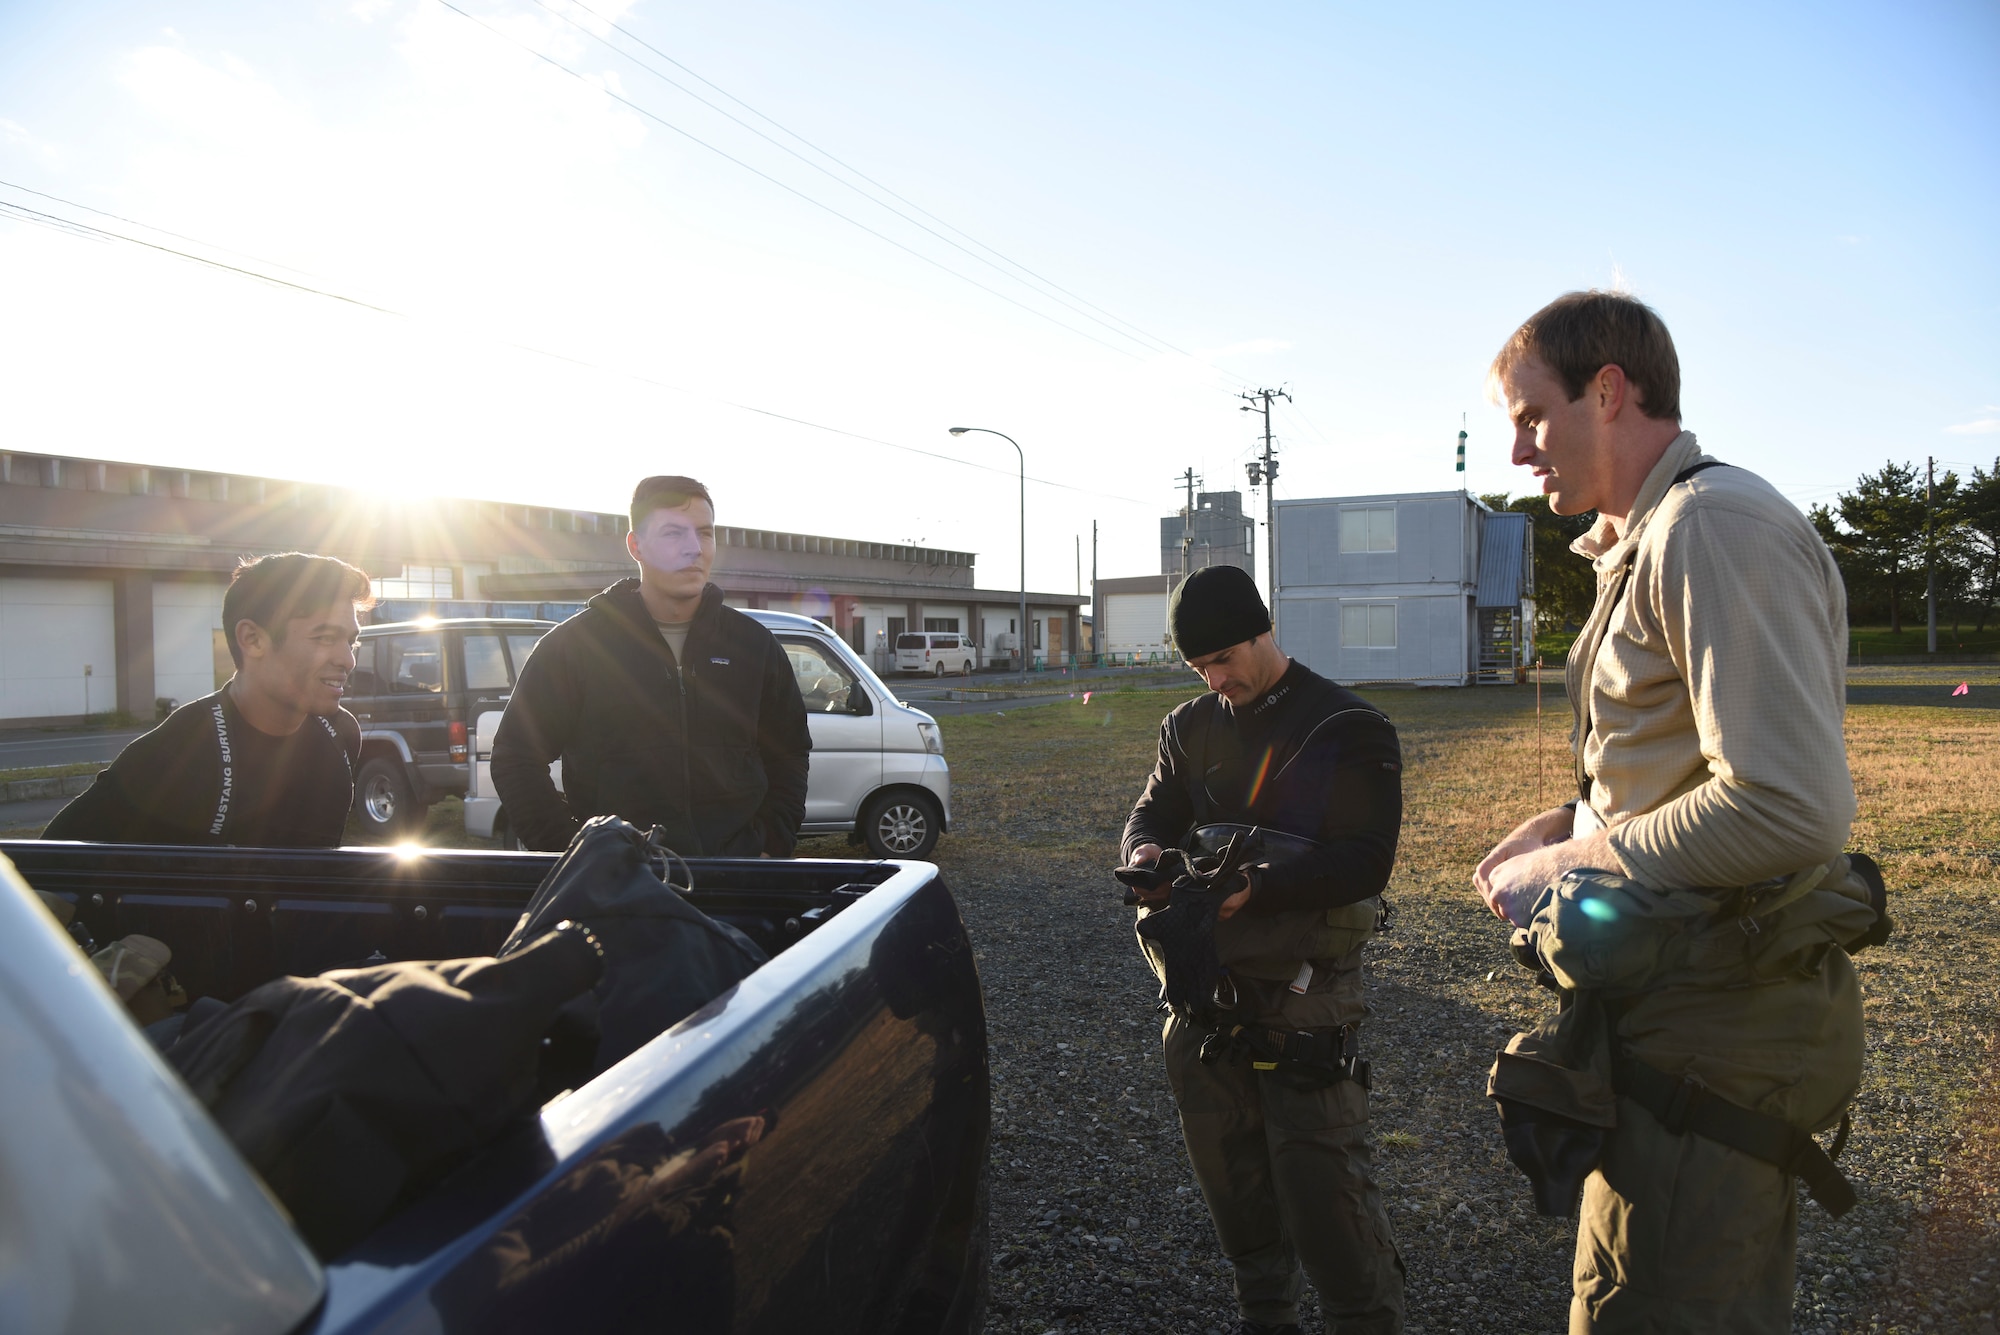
(1427,578)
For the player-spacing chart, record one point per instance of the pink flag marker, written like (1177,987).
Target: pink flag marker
(1964,688)
(1087,695)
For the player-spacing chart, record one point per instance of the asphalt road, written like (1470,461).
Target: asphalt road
(97,747)
(20,819)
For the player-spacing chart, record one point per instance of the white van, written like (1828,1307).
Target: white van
(935,652)
(878,771)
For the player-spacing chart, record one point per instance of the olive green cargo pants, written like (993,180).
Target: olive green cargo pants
(1681,1236)
(1288,1178)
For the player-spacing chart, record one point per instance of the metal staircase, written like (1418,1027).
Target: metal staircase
(1499,650)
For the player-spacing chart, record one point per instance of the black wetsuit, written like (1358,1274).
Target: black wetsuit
(205,776)
(1309,758)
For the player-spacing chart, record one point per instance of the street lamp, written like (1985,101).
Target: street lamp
(1021,641)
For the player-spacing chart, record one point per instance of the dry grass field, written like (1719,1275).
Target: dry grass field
(1041,794)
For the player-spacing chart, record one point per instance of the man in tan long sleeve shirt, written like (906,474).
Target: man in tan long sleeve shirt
(1709,687)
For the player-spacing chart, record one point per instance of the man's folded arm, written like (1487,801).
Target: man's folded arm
(784,738)
(532,733)
(1163,812)
(1741,591)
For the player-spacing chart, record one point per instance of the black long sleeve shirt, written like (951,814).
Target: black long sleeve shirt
(206,776)
(1309,758)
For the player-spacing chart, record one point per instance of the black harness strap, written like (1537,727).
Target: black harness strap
(1604,628)
(1683,1106)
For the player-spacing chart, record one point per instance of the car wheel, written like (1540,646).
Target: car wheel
(965,668)
(902,824)
(940,669)
(383,800)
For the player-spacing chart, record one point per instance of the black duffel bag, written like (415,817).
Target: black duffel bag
(663,957)
(353,1091)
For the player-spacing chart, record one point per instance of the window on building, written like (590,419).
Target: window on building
(416,582)
(941,623)
(1368,625)
(1037,624)
(1369,528)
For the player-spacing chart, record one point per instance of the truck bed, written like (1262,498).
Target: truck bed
(806,1152)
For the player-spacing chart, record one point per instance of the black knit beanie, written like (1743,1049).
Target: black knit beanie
(1213,608)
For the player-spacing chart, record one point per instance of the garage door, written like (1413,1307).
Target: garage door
(1135,623)
(186,620)
(56,648)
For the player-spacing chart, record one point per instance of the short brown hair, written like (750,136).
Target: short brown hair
(666,492)
(1580,333)
(271,590)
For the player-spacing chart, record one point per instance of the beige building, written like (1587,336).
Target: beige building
(111,575)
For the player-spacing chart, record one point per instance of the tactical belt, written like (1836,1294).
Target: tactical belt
(1328,1057)
(1685,1105)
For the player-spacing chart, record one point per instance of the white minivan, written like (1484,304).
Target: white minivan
(935,652)
(878,771)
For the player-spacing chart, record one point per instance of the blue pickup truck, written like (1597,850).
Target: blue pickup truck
(805,1153)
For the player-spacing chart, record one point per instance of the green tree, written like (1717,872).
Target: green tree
(1975,519)
(1879,537)
(1565,584)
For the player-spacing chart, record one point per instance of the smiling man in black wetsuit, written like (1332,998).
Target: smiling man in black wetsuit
(266,761)
(1271,1090)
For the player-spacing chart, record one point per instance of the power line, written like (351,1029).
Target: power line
(788,189)
(87,231)
(1076,304)
(856,171)
(134,222)
(74,227)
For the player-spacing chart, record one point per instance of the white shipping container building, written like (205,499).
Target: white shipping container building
(1131,618)
(1430,588)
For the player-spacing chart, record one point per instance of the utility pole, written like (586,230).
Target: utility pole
(1930,552)
(1265,470)
(1187,527)
(1096,609)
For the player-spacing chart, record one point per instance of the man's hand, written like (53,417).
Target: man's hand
(1551,827)
(1145,855)
(1511,887)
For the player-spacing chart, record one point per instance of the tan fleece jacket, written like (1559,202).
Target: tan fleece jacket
(1719,692)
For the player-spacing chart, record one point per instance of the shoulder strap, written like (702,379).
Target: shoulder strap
(1583,781)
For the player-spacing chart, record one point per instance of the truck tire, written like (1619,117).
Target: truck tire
(384,802)
(940,669)
(965,668)
(902,823)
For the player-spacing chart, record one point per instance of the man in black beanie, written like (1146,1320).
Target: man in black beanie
(1266,1072)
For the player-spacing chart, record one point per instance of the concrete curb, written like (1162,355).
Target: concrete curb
(31,790)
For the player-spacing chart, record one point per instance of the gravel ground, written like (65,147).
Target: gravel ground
(1097,1223)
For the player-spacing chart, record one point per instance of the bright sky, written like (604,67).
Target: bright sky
(1356,202)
